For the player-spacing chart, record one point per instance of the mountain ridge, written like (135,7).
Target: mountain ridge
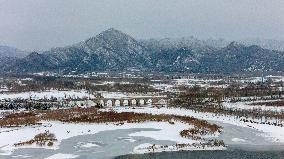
(116,51)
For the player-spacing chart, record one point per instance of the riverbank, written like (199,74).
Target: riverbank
(216,154)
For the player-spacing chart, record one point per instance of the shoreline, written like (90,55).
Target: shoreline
(210,154)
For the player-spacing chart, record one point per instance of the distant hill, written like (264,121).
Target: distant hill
(117,51)
(236,58)
(6,51)
(9,56)
(265,43)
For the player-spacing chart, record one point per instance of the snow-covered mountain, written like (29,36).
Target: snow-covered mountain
(110,50)
(6,51)
(117,51)
(237,57)
(265,43)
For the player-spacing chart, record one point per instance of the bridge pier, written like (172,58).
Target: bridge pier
(121,101)
(113,102)
(138,104)
(145,101)
(105,103)
(129,102)
(155,101)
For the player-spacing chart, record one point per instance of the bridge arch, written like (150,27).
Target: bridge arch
(148,101)
(143,102)
(162,101)
(116,102)
(135,102)
(108,103)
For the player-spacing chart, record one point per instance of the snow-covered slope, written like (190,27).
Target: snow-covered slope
(6,51)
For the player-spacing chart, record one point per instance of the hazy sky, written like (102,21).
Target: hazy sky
(41,24)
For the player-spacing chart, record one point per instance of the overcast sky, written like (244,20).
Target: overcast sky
(42,24)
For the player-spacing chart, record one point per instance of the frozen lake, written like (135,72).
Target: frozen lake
(113,143)
(103,145)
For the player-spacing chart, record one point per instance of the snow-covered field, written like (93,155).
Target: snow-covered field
(47,95)
(165,131)
(9,137)
(273,132)
(246,105)
(190,82)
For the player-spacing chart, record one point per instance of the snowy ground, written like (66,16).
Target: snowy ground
(167,131)
(47,95)
(273,132)
(9,137)
(246,105)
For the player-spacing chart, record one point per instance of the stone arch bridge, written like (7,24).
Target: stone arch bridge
(135,101)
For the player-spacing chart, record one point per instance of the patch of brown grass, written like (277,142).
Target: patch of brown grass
(196,133)
(92,115)
(42,139)
(200,124)
(18,119)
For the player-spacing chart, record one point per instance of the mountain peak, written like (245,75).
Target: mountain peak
(33,55)
(233,47)
(234,44)
(111,29)
(111,36)
(113,32)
